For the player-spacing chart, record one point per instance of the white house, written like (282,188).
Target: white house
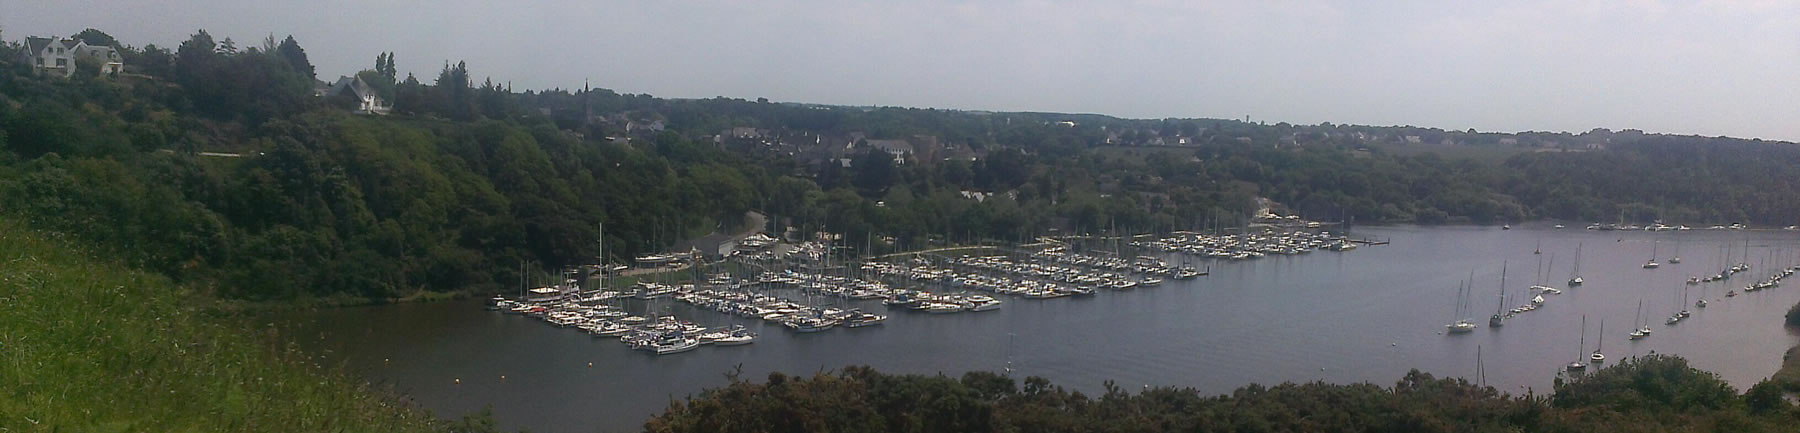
(367,101)
(60,56)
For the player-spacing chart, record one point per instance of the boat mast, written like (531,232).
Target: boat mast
(1601,345)
(1577,260)
(1502,306)
(1583,346)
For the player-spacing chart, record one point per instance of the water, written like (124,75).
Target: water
(1366,315)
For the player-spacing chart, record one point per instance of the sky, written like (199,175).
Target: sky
(1706,67)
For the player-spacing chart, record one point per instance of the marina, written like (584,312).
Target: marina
(1370,316)
(941,285)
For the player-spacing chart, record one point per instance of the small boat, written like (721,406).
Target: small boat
(1497,320)
(1558,226)
(810,324)
(1575,279)
(677,347)
(864,319)
(943,308)
(983,303)
(737,336)
(1581,364)
(1150,281)
(1461,326)
(1598,357)
(736,340)
(1641,332)
(1700,303)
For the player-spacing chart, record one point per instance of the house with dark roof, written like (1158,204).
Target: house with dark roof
(367,100)
(54,56)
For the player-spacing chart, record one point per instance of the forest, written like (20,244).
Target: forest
(1658,393)
(216,164)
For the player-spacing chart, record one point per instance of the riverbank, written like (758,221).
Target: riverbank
(91,345)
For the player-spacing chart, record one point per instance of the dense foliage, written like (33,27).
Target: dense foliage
(1652,394)
(216,164)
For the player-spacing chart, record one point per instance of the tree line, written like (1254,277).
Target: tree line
(1658,393)
(297,198)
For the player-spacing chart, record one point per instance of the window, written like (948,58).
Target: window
(62,62)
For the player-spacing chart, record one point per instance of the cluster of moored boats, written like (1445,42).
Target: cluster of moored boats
(793,315)
(923,271)
(1150,267)
(1251,245)
(971,283)
(663,335)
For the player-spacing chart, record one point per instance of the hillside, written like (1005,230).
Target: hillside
(87,344)
(216,165)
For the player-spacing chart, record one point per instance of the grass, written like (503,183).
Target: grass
(1790,366)
(87,344)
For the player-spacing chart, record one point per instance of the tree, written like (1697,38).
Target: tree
(227,47)
(194,57)
(96,38)
(154,61)
(295,56)
(384,65)
(874,172)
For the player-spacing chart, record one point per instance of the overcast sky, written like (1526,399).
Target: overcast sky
(1709,67)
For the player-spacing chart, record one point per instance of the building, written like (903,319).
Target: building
(60,56)
(898,148)
(367,100)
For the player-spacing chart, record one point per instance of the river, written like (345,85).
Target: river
(1366,315)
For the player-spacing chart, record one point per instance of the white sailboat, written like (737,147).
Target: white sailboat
(1639,333)
(1580,364)
(1652,263)
(1497,320)
(1461,324)
(1598,357)
(1677,258)
(1575,280)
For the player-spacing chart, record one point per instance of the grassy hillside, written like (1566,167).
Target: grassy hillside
(89,345)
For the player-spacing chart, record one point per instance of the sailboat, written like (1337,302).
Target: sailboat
(1639,333)
(1461,325)
(1652,263)
(1684,312)
(1579,363)
(1497,320)
(1677,258)
(1598,357)
(1575,280)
